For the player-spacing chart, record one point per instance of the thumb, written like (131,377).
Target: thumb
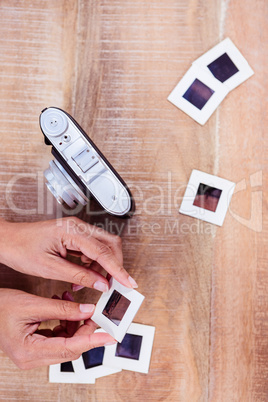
(43,309)
(57,350)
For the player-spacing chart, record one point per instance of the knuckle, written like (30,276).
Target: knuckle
(20,360)
(66,307)
(117,240)
(94,342)
(80,278)
(71,224)
(103,251)
(73,219)
(68,354)
(85,260)
(26,366)
(121,269)
(93,345)
(21,365)
(65,354)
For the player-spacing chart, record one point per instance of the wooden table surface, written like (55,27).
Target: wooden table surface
(112,64)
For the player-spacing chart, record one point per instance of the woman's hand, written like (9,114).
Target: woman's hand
(20,317)
(41,248)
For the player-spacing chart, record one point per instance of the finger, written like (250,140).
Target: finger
(58,350)
(45,332)
(62,322)
(77,274)
(58,330)
(102,254)
(87,328)
(42,309)
(94,266)
(61,334)
(74,253)
(85,259)
(75,287)
(113,241)
(65,296)
(70,326)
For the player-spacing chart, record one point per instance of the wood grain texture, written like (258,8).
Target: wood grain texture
(112,64)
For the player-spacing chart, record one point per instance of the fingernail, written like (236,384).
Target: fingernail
(75,288)
(132,282)
(102,287)
(110,343)
(68,295)
(55,297)
(87,308)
